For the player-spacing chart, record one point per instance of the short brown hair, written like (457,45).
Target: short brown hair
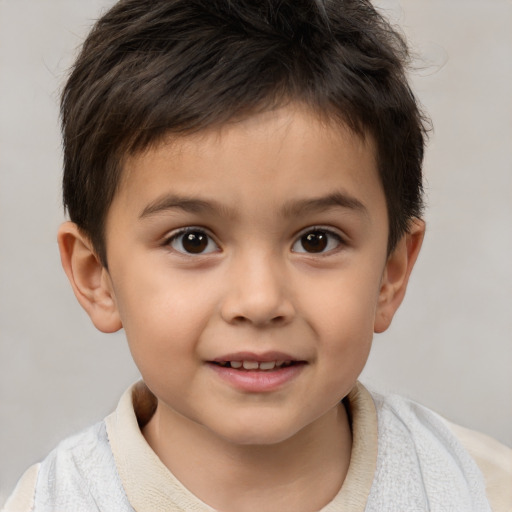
(153,67)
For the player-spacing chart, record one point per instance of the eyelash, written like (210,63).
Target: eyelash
(321,243)
(178,237)
(330,237)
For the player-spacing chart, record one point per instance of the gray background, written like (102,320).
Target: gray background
(450,345)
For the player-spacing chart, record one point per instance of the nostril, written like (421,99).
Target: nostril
(239,319)
(257,309)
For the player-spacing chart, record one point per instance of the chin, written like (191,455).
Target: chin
(257,433)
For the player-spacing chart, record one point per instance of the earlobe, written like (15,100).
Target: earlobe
(396,274)
(88,278)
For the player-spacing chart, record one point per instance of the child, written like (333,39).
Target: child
(244,186)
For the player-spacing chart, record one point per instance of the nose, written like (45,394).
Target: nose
(258,292)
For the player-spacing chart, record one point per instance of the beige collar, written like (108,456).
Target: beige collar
(151,487)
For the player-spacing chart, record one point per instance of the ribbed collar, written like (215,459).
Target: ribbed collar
(151,487)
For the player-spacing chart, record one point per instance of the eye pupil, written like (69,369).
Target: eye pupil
(195,242)
(315,241)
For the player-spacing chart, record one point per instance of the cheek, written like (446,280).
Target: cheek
(344,301)
(156,297)
(163,318)
(342,313)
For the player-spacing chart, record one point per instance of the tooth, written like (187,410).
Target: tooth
(251,365)
(279,363)
(236,364)
(269,365)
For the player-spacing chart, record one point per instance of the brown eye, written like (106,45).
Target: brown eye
(317,241)
(193,242)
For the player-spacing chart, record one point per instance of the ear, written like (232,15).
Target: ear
(88,277)
(396,274)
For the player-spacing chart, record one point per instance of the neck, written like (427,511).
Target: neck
(246,478)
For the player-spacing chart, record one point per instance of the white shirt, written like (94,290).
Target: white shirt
(404,457)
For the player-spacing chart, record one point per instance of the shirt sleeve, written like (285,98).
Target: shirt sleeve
(22,498)
(495,462)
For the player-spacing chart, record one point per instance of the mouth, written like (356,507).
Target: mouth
(251,372)
(253,362)
(252,365)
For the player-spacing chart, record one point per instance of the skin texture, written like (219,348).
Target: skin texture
(255,189)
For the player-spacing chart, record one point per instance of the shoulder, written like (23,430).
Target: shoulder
(76,455)
(79,474)
(22,498)
(449,460)
(495,462)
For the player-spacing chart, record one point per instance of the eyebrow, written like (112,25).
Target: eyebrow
(187,204)
(290,209)
(336,199)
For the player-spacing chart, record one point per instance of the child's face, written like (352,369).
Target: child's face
(264,241)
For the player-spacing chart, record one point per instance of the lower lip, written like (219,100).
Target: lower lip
(258,381)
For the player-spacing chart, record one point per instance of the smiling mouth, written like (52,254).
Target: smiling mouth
(256,365)
(248,372)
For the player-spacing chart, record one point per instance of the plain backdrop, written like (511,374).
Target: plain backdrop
(450,346)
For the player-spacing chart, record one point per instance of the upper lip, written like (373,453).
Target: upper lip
(253,356)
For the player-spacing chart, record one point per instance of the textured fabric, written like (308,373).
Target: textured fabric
(421,465)
(495,462)
(80,476)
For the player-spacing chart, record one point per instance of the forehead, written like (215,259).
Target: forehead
(261,159)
